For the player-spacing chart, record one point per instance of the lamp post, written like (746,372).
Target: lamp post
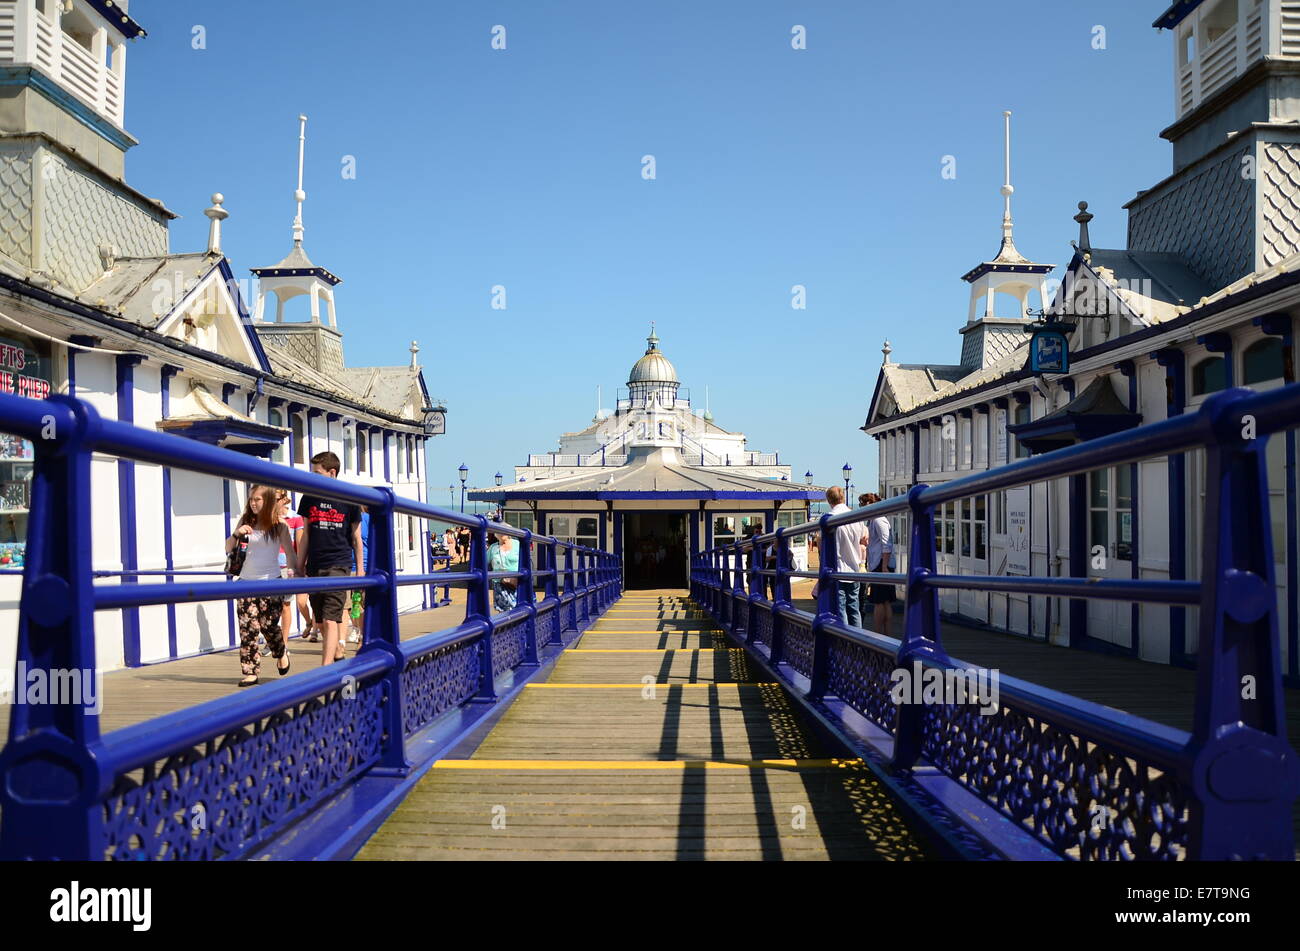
(464,474)
(501,503)
(807,478)
(848,472)
(451,495)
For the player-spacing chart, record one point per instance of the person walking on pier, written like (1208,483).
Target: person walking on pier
(261,527)
(880,555)
(848,557)
(504,556)
(289,558)
(332,547)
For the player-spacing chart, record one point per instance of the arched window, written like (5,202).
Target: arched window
(347,450)
(1209,376)
(275,418)
(363,454)
(299,440)
(1262,361)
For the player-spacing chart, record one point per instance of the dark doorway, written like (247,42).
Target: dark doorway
(654,550)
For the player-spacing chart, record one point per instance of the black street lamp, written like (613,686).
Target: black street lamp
(807,478)
(848,471)
(498,478)
(464,474)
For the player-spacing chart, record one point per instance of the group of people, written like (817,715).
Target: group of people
(859,547)
(324,539)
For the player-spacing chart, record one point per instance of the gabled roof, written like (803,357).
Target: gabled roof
(1153,286)
(128,289)
(389,388)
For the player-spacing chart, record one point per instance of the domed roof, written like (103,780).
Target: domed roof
(654,366)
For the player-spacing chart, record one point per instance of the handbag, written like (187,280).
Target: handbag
(235,559)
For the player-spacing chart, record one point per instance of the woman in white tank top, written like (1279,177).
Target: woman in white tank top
(261,528)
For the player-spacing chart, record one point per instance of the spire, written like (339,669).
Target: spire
(1008,253)
(415,349)
(652,340)
(299,195)
(1083,217)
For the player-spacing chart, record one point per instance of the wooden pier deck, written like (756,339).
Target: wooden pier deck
(650,739)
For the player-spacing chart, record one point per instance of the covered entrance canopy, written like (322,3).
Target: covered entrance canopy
(653,511)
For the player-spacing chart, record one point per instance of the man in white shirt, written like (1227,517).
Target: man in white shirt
(880,556)
(848,557)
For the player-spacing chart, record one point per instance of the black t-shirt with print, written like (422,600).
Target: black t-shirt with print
(329,532)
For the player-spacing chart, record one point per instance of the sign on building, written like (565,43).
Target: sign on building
(1018,562)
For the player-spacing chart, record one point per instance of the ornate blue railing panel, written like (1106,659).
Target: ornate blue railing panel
(508,645)
(221,799)
(799,646)
(545,626)
(859,675)
(763,624)
(437,681)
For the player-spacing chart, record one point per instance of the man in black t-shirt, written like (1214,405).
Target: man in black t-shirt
(331,545)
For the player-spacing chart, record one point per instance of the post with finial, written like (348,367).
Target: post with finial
(1083,217)
(415,349)
(299,195)
(886,350)
(216,214)
(1007,189)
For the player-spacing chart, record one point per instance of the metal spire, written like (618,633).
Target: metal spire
(299,195)
(1008,252)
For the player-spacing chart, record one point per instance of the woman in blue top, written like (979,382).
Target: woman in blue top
(504,556)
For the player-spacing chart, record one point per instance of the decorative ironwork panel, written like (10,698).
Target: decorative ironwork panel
(545,627)
(799,646)
(763,626)
(859,676)
(1082,800)
(435,682)
(508,646)
(225,797)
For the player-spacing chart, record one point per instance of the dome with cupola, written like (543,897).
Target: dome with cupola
(653,376)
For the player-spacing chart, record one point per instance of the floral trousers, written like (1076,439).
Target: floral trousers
(258,616)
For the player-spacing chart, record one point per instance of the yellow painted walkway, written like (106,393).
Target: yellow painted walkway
(651,739)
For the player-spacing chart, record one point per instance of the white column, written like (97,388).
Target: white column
(315,304)
(99,49)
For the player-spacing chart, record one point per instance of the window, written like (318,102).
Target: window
(1219,21)
(299,440)
(522,520)
(1022,416)
(1262,361)
(925,449)
(275,418)
(1209,376)
(410,455)
(348,446)
(401,457)
(1110,511)
(363,454)
(790,520)
(578,529)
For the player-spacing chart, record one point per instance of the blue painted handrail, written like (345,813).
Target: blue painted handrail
(211,782)
(1087,781)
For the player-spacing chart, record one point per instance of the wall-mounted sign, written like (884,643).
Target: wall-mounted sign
(435,423)
(1049,349)
(23,370)
(1018,531)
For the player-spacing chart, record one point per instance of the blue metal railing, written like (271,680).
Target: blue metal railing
(1087,781)
(220,779)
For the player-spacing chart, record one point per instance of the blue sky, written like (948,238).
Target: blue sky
(522,167)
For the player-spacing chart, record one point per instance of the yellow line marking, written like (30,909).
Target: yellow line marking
(650,650)
(643,764)
(658,683)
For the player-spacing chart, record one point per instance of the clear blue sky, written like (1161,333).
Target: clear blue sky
(522,167)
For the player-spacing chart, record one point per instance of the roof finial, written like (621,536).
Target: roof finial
(216,214)
(653,339)
(299,195)
(1007,189)
(886,350)
(1083,217)
(415,348)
